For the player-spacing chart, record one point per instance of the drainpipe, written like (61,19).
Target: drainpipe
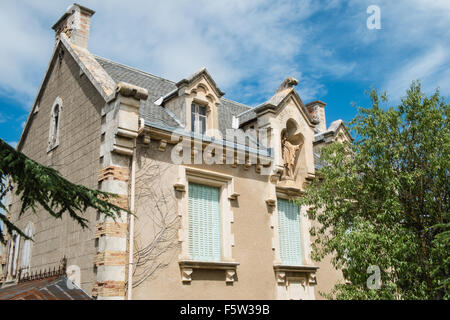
(131,242)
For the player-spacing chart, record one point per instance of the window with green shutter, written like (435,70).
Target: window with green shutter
(204,223)
(289,232)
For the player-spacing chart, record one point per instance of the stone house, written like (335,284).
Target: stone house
(210,181)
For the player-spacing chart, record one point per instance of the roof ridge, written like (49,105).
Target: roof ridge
(133,68)
(239,103)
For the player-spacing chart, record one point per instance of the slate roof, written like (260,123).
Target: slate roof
(246,116)
(52,288)
(228,109)
(158,87)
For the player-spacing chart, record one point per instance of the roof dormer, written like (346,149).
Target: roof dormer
(195,103)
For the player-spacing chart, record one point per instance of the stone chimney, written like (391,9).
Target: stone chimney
(317,111)
(75,23)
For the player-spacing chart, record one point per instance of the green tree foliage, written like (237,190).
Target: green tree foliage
(384,200)
(36,184)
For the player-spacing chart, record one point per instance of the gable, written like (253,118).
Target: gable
(203,89)
(99,79)
(292,106)
(275,104)
(81,106)
(208,81)
(342,135)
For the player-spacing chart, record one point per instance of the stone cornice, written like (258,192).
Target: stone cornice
(208,264)
(289,268)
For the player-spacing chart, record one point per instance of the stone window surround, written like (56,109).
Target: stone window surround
(52,145)
(281,270)
(227,194)
(201,93)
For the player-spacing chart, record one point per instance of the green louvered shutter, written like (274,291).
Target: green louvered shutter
(204,223)
(289,233)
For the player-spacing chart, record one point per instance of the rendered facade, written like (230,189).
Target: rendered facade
(210,181)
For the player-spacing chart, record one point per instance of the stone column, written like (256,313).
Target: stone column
(120,124)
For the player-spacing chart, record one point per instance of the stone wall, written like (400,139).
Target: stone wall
(157,204)
(76,158)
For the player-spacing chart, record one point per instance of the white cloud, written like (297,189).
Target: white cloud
(249,46)
(412,44)
(257,41)
(426,68)
(238,41)
(24,51)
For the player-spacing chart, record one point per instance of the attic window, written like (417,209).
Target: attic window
(198,119)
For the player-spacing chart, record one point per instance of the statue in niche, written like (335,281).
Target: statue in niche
(290,155)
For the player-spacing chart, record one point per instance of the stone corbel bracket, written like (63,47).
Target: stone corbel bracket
(186,274)
(232,194)
(281,277)
(180,185)
(308,179)
(277,172)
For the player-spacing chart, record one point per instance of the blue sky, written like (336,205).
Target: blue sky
(249,47)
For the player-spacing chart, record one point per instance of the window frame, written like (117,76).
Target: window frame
(286,274)
(55,125)
(286,194)
(196,116)
(227,194)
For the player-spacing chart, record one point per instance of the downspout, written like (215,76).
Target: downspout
(131,242)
